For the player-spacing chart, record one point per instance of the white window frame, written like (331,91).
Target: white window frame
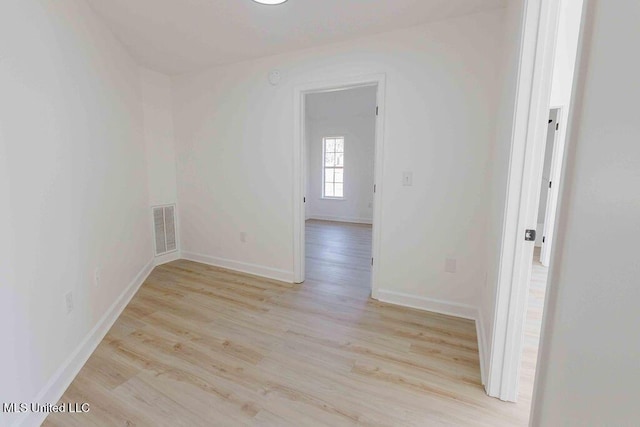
(324,167)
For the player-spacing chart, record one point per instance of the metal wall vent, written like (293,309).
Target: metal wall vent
(164,226)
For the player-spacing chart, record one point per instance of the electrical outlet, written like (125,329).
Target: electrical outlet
(96,277)
(243,236)
(450,265)
(68,299)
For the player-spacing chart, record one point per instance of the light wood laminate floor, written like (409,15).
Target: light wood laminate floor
(533,326)
(203,346)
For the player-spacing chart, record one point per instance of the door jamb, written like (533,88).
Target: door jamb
(300,91)
(537,49)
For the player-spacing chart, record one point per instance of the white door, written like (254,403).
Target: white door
(549,193)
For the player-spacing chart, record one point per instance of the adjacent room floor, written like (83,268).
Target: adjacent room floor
(338,258)
(202,346)
(533,326)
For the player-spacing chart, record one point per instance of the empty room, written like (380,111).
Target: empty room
(319,212)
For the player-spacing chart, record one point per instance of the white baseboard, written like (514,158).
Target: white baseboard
(455,309)
(341,219)
(243,267)
(163,259)
(449,308)
(60,381)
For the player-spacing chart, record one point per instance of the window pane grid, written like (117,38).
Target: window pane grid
(333,167)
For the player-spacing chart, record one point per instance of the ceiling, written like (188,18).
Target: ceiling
(178,36)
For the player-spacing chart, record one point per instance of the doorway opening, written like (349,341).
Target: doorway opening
(339,145)
(548,56)
(551,173)
(337,175)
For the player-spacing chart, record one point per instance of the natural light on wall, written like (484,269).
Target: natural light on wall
(333,170)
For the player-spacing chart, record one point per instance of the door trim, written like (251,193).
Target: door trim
(536,57)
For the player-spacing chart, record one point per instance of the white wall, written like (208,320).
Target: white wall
(73,186)
(501,153)
(349,113)
(159,137)
(234,135)
(588,373)
(159,144)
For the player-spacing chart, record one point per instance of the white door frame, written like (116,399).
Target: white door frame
(557,158)
(300,91)
(536,57)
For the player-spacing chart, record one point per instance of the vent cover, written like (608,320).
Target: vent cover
(164,226)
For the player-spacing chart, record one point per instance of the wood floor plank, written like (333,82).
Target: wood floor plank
(199,346)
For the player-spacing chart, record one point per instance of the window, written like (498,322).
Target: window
(333,167)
